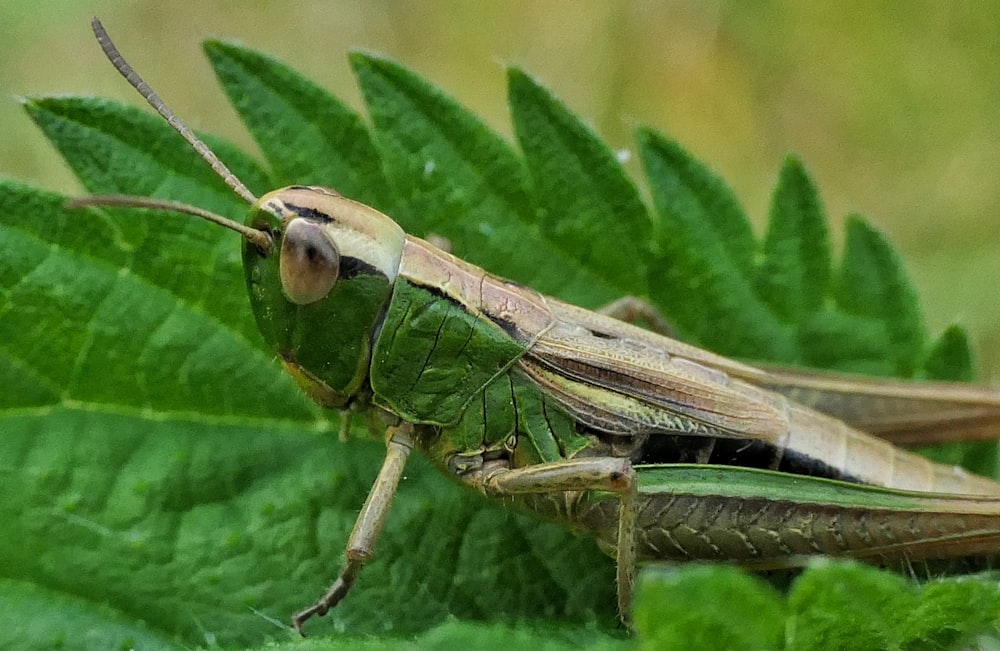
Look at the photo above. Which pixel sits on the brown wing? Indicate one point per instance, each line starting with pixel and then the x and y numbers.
pixel 621 378
pixel 904 412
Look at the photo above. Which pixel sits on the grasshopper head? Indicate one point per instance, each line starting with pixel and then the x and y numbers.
pixel 319 291
pixel 319 267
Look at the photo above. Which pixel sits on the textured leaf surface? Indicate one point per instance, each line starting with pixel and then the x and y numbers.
pixel 461 181
pixel 705 607
pixel 887 611
pixel 829 606
pixel 872 285
pixel 166 486
pixel 701 278
pixel 308 136
pixel 795 271
pixel 580 191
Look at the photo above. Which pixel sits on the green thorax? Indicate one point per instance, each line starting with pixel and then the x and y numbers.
pixel 432 355
pixel 446 356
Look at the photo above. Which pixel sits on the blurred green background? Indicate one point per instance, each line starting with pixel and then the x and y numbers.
pixel 892 106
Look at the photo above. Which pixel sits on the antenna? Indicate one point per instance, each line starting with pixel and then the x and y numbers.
pixel 254 236
pixel 133 78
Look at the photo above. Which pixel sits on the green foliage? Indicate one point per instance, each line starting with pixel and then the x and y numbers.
pixel 703 275
pixel 165 485
pixel 581 194
pixel 831 606
pixel 705 608
pixel 793 277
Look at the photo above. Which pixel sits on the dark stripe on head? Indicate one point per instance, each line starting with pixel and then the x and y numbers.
pixel 308 213
pixel 351 267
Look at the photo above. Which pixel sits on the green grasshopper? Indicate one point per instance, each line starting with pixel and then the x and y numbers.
pixel 658 449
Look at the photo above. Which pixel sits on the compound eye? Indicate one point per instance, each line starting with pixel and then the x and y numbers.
pixel 309 262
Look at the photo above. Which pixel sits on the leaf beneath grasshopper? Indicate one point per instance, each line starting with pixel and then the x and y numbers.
pixel 156 463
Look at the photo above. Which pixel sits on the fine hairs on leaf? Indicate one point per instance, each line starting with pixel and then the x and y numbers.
pixel 164 480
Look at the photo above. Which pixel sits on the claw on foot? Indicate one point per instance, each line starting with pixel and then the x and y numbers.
pixel 298 619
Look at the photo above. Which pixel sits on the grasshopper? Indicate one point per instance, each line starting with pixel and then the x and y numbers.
pixel 658 449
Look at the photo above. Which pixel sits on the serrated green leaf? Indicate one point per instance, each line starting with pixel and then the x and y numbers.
pixel 118 149
pixel 833 339
pixel 157 463
pixel 951 613
pixel 167 521
pixel 950 357
pixel 459 180
pixel 308 136
pixel 872 284
pixel 706 607
pixel 794 274
pixel 886 611
pixel 74 315
pixel 115 149
pixel 221 531
pixel 700 280
pixel 586 201
pixel 461 636
pixel 692 192
pixel 830 605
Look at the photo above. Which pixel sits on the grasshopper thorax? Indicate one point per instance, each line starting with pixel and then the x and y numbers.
pixel 319 292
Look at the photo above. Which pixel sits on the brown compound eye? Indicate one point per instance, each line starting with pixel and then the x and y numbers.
pixel 309 262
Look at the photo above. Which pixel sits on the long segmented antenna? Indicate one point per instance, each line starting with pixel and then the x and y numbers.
pixel 254 236
pixel 137 82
